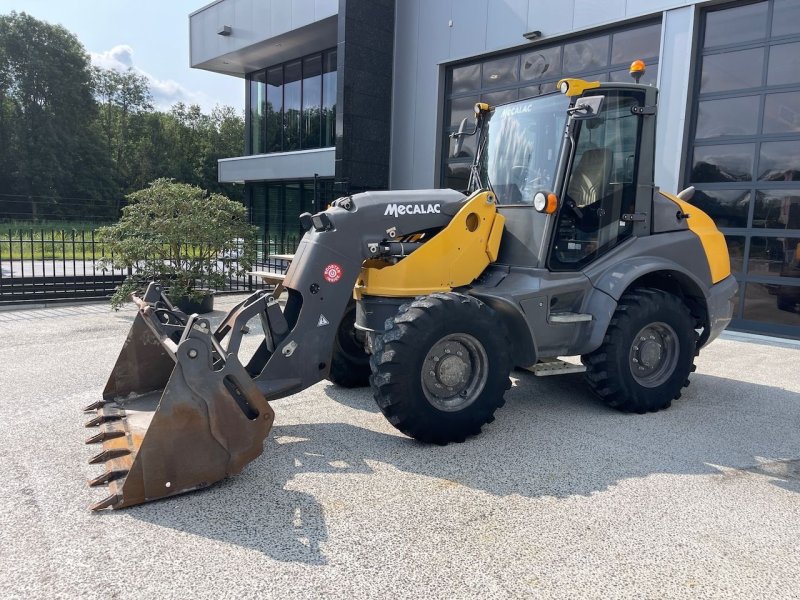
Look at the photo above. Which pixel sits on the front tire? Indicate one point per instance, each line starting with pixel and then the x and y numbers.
pixel 440 369
pixel 647 354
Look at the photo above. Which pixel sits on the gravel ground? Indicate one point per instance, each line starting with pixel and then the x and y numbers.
pixel 560 496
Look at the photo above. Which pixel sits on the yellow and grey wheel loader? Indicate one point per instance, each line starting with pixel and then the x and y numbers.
pixel 562 246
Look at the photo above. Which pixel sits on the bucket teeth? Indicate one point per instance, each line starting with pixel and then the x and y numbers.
pixel 107 477
pixel 95 405
pixel 106 502
pixel 107 455
pixel 106 434
pixel 106 414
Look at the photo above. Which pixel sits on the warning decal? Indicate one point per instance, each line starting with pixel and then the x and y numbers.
pixel 322 321
pixel 332 273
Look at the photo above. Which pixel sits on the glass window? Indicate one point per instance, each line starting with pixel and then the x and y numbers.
pixel 728 208
pixel 736 251
pixel 774 303
pixel 495 98
pixel 784 66
pixel 780 161
pixel 731 116
pixel 739 24
pixel 774 256
pixel 541 64
pixel 501 71
pixel 468 143
pixel 635 44
pixel 292 93
pixel 532 91
pixel 586 55
pixel 258 90
pixel 777 209
pixel 732 70
pixel 602 184
pixel 782 113
pixel 624 76
pixel 731 162
pixel 312 101
pixel 457 176
pixel 274 110
pixel 785 17
pixel 461 108
pixel 329 99
pixel 466 78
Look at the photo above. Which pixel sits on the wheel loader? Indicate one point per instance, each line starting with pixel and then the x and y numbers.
pixel 560 247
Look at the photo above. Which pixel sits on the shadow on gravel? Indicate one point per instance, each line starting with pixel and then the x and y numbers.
pixel 551 439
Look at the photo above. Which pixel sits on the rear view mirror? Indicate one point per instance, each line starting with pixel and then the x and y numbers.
pixel 587 107
pixel 458 136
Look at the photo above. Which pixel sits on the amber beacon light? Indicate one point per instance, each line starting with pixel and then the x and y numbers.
pixel 637 70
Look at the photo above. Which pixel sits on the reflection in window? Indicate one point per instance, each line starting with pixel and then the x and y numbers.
pixel 586 55
pixel 501 71
pixel 731 116
pixel 728 208
pixel 329 99
pixel 782 113
pixel 639 43
pixel 466 78
pixel 780 161
pixel 274 110
pixel 461 108
pixel 784 68
pixel 624 75
pixel 777 209
pixel 495 98
pixel 292 92
pixel 775 303
pixel 457 176
pixel 536 90
pixel 774 256
pixel 731 162
pixel 257 108
pixel 738 24
pixel 312 101
pixel 541 64
pixel 736 252
pixel 732 70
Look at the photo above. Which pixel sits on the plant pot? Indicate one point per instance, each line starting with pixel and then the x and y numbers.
pixel 191 306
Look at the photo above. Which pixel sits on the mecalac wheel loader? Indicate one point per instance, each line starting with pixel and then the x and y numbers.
pixel 562 246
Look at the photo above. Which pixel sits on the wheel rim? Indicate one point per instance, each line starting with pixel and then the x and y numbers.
pixel 454 372
pixel 654 354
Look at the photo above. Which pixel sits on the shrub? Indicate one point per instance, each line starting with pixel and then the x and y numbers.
pixel 176 233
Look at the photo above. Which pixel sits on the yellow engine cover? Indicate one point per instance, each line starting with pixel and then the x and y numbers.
pixel 454 257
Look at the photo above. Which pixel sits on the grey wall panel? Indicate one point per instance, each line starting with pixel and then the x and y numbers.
pixel 469 27
pixel 286 165
pixel 596 12
pixel 302 13
pixel 404 92
pixel 551 18
pixel 434 41
pixel 506 21
pixel 280 16
pixel 674 70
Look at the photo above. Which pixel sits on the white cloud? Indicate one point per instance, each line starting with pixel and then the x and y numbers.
pixel 166 92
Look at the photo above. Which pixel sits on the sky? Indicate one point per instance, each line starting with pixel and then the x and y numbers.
pixel 151 36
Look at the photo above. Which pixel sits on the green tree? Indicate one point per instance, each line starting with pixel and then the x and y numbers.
pixel 51 153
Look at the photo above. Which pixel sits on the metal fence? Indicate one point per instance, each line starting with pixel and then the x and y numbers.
pixel 38 265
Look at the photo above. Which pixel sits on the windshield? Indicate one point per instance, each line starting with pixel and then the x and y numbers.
pixel 523 140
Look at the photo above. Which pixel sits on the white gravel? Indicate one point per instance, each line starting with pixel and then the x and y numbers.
pixel 559 497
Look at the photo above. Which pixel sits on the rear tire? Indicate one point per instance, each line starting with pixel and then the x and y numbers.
pixel 647 354
pixel 440 369
pixel 349 361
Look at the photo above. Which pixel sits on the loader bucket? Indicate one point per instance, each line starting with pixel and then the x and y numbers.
pixel 178 413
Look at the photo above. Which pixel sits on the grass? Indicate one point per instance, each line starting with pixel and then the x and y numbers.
pixel 44 244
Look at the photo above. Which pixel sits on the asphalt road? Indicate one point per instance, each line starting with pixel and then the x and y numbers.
pixel 559 497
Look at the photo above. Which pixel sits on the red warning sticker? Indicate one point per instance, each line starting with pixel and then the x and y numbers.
pixel 332 273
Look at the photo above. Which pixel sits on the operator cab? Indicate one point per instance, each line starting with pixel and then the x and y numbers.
pixel 565 169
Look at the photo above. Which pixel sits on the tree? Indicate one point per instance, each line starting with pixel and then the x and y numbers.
pixel 51 141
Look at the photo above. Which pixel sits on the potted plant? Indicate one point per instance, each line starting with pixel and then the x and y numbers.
pixel 181 236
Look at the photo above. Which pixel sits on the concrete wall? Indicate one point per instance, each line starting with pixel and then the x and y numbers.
pixel 252 22
pixel 431 32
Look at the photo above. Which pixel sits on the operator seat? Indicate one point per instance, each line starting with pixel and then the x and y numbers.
pixel 590 178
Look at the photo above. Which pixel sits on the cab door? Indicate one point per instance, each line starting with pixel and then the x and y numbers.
pixel 599 195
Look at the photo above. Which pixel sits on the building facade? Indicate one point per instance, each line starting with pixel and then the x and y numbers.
pixel 349 95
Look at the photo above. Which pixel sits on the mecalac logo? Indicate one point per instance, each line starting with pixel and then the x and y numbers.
pixel 397 210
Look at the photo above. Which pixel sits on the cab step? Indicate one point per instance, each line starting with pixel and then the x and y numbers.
pixel 554 366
